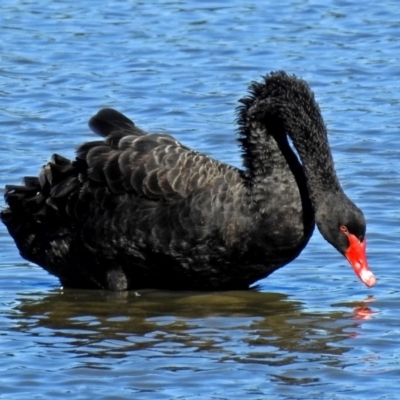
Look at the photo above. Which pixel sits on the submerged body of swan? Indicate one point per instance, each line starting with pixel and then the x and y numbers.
pixel 137 210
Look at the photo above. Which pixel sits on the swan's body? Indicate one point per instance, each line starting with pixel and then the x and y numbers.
pixel 137 210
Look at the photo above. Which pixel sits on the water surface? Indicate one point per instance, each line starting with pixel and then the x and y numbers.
pixel 311 330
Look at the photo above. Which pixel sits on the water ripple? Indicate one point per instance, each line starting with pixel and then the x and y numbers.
pixel 310 330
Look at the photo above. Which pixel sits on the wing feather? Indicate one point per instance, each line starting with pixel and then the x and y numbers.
pixel 155 167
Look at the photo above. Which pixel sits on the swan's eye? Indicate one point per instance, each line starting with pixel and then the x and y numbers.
pixel 344 229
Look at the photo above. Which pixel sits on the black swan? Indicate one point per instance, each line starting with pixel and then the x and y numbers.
pixel 137 210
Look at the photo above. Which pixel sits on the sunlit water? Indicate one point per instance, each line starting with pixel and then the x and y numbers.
pixel 311 330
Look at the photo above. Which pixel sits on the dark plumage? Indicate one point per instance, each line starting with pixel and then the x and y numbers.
pixel 135 210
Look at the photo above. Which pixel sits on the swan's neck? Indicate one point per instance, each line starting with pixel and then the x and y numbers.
pixel 271 165
pixel 309 137
pixel 269 159
pixel 280 107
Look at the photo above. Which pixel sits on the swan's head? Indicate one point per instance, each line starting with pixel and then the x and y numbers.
pixel 343 225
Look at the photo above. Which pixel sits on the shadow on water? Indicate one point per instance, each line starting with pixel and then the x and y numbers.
pixel 242 326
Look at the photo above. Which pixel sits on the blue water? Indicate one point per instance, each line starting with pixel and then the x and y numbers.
pixel 311 330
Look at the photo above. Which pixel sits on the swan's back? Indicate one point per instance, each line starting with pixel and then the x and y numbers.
pixel 129 198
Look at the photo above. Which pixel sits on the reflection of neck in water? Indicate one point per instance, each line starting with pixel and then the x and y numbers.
pixel 243 326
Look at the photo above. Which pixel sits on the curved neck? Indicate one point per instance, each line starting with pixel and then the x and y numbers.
pixel 274 177
pixel 268 157
pixel 280 107
pixel 309 137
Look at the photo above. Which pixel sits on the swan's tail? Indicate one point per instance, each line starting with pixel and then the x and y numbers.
pixel 38 208
pixel 43 212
